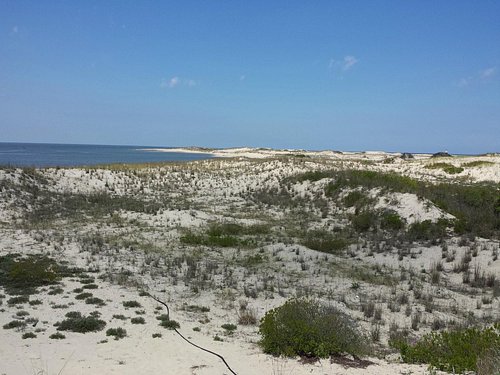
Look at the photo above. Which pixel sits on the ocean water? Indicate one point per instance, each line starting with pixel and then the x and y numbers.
pixel 64 155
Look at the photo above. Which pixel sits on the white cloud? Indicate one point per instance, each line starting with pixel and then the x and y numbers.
pixel 481 76
pixel 14 30
pixel 349 62
pixel 489 72
pixel 174 81
pixel 344 64
pixel 464 82
pixel 177 81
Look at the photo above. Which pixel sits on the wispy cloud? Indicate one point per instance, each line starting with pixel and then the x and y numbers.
pixel 174 81
pixel 177 81
pixel 344 64
pixel 489 72
pixel 349 62
pixel 481 76
pixel 14 30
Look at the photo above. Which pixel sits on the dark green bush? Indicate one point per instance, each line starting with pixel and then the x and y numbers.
pixel 229 327
pixel 167 323
pixel 84 295
pixel 477 206
pixel 82 324
pixel 391 221
pixel 325 241
pixel 224 235
pixel 90 286
pixel 131 304
pixel 18 300
pixel 87 280
pixel 356 199
pixel 309 328
pixel 55 291
pixel 15 324
pixel 57 336
pixel 117 333
pixel 29 335
pixel 23 275
pixel 95 301
pixel 138 320
pixel 454 351
pixel 446 167
pixel 73 314
pixel 427 230
pixel 223 240
pixel 364 221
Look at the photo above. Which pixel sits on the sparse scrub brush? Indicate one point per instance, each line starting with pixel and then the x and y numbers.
pixel 309 328
pixel 469 349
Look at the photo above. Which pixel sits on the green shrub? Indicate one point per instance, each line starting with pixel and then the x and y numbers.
pixel 90 286
pixel 454 351
pixel 224 235
pixel 477 206
pixel 427 230
pixel 309 328
pixel 156 335
pixel 73 314
pixel 57 336
pixel 364 220
pixel 18 300
pixel 167 323
pixel 14 324
pixel 117 333
pixel 138 320
pixel 24 275
pixel 84 295
pixel 54 291
pixel 391 221
pixel 29 335
pixel 356 199
pixel 229 327
pixel 446 167
pixel 120 317
pixel 325 241
pixel 82 324
pixel 95 301
pixel 477 163
pixel 131 304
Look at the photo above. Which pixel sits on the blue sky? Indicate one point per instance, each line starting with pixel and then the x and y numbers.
pixel 418 76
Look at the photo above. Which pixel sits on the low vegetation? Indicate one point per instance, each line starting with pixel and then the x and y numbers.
pixel 311 329
pixel 20 275
pixel 453 351
pixel 81 324
pixel 117 333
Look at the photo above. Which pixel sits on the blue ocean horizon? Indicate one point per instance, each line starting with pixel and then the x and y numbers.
pixel 43 155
